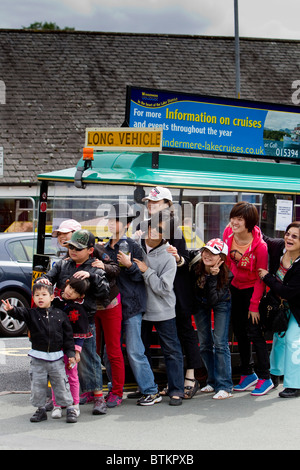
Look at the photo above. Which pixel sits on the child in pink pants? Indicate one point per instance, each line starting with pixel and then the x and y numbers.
pixel 71 301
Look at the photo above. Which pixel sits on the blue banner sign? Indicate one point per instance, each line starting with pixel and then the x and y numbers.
pixel 205 124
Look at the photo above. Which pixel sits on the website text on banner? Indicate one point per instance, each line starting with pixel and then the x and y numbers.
pixel 217 125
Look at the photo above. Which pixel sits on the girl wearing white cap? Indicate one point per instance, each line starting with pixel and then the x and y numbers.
pixel 211 279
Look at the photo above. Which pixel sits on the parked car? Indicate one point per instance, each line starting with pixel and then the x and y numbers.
pixel 16 256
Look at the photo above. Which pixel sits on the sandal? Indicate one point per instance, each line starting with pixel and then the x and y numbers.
pixel 164 392
pixel 207 389
pixel 222 395
pixel 189 391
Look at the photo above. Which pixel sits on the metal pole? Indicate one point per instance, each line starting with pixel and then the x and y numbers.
pixel 237 49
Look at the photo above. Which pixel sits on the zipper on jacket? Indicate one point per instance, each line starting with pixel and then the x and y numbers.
pixel 47 316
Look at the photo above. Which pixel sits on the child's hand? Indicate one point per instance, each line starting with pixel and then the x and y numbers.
pixel 77 356
pixel 6 305
pixel 81 274
pixel 214 270
pixel 72 362
pixel 141 265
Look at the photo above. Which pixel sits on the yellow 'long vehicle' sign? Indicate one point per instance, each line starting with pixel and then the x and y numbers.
pixel 126 138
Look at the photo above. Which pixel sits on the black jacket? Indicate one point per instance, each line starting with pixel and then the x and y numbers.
pixel 289 289
pixel 209 294
pixel 130 280
pixel 111 268
pixel 50 329
pixel 99 288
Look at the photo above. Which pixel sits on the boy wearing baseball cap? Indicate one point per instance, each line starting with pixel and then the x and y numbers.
pixel 79 264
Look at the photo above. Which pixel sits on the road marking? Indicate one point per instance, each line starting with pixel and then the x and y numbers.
pixel 4 351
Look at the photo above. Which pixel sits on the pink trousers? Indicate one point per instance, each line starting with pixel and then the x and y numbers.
pixel 109 321
pixel 72 375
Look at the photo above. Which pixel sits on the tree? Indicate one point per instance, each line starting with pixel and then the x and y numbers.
pixel 39 26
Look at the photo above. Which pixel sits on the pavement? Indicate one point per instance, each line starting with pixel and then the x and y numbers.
pixel 242 422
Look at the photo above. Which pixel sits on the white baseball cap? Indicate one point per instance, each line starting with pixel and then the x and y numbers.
pixel 69 225
pixel 158 194
pixel 216 246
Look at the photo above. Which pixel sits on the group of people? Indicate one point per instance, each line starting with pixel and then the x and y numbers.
pixel 128 285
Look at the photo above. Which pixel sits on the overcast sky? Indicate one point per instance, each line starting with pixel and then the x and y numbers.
pixel 257 18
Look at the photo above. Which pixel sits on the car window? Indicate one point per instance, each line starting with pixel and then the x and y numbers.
pixel 29 248
pixel 21 251
pixel 51 246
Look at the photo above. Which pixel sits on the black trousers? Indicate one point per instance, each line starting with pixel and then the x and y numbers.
pixel 246 333
pixel 188 338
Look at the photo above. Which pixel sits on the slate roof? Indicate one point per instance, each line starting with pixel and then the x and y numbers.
pixel 58 83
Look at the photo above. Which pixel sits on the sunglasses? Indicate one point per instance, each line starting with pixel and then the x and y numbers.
pixel 71 247
pixel 292 235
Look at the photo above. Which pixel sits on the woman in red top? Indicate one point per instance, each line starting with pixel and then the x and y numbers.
pixel 248 253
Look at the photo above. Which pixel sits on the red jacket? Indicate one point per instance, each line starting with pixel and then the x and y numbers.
pixel 245 273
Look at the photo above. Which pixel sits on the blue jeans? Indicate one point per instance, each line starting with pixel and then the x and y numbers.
pixel 171 348
pixel 89 366
pixel 214 347
pixel 138 361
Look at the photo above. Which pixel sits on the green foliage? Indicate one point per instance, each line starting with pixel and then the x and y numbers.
pixel 39 26
pixel 274 135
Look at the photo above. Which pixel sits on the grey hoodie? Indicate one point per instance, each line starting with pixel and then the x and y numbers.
pixel 159 280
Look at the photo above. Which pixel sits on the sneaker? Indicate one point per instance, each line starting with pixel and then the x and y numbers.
pixel 136 394
pixel 262 387
pixel 49 405
pixel 149 399
pixel 56 413
pixel 100 407
pixel 39 415
pixel 246 382
pixel 290 393
pixel 77 410
pixel 275 379
pixel 86 397
pixel 113 400
pixel 71 415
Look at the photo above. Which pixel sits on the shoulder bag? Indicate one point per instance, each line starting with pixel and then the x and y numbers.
pixel 274 313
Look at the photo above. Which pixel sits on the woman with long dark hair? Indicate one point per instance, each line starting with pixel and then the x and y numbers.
pixel 283 278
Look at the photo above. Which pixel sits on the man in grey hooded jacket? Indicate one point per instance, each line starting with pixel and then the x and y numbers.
pixel 159 270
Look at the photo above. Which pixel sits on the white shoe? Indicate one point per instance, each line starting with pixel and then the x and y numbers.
pixel 56 412
pixel 207 389
pixel 222 395
pixel 77 410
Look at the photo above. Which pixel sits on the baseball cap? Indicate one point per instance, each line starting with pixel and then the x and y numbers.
pixel 69 225
pixel 216 246
pixel 81 239
pixel 158 193
pixel 120 211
